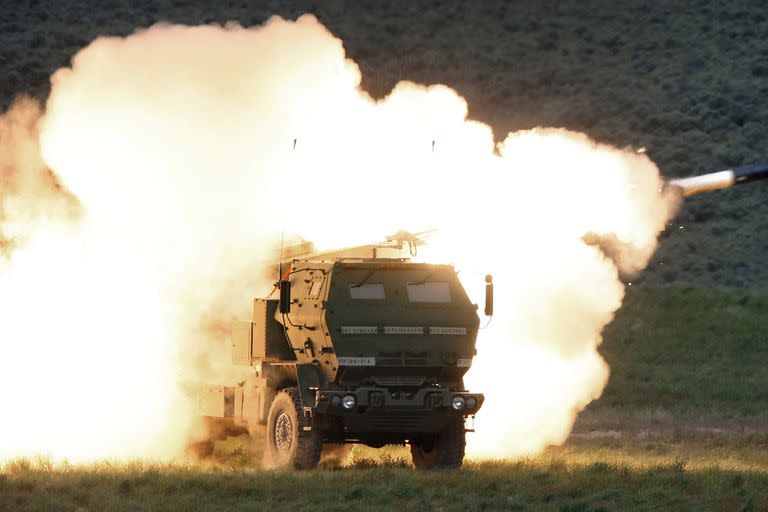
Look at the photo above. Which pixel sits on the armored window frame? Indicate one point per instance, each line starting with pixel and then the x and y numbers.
pixel 429 291
pixel 367 291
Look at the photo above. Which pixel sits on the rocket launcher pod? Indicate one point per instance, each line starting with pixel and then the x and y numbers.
pixel 719 180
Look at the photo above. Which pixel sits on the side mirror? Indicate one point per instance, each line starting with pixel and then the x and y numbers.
pixel 285 296
pixel 489 295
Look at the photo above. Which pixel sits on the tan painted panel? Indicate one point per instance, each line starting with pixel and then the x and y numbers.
pixel 259 343
pixel 241 342
pixel 254 399
pixel 211 401
pixel 238 412
pixel 268 337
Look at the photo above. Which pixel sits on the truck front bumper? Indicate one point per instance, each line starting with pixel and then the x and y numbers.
pixel 391 416
pixel 364 399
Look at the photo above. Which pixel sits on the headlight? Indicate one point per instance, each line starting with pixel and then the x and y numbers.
pixel 458 403
pixel 349 401
pixel 471 402
pixel 335 400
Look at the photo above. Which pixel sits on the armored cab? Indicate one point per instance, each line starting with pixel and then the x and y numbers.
pixel 357 350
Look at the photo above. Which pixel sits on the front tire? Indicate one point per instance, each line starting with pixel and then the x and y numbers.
pixel 446 450
pixel 288 444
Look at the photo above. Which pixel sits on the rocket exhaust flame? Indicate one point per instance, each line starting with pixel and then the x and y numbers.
pixel 185 172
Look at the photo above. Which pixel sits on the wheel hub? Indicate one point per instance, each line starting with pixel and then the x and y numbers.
pixel 283 432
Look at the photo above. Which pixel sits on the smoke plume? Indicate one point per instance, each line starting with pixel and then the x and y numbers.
pixel 190 149
pixel 28 189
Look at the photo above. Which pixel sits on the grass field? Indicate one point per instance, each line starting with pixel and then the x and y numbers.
pixel 681 426
pixel 545 483
pixel 688 352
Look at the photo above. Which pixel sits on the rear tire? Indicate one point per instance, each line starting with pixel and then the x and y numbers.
pixel 447 450
pixel 288 444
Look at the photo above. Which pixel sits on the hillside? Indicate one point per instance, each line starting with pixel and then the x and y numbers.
pixel 686 80
pixel 680 354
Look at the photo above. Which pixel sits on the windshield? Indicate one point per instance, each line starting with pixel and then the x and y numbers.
pixel 367 291
pixel 429 291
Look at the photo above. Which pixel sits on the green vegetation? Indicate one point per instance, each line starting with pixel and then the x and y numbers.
pixel 688 352
pixel 585 475
pixel 542 484
pixel 686 80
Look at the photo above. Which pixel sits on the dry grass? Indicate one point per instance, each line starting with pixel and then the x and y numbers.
pixel 586 478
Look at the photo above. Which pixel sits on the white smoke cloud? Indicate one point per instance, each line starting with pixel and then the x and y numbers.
pixel 191 149
pixel 28 190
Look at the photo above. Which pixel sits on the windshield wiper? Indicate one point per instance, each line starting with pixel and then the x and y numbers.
pixel 423 281
pixel 370 274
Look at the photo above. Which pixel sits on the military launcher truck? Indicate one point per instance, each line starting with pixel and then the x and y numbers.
pixel 362 345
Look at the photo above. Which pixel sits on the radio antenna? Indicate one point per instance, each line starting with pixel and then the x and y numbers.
pixel 282 237
pixel 280 263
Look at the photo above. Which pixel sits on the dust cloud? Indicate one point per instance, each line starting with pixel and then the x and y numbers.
pixel 180 154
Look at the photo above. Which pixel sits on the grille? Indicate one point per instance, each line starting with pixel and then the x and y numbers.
pixel 399 380
pixel 397 422
pixel 389 359
pixel 401 359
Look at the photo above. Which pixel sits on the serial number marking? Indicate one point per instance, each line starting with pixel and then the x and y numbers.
pixel 447 330
pixel 359 329
pixel 372 329
pixel 357 361
pixel 403 330
pixel 463 363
